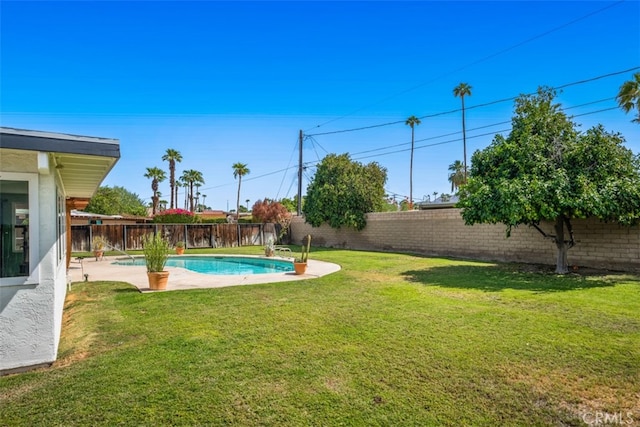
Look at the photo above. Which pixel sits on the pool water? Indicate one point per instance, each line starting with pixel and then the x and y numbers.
pixel 222 264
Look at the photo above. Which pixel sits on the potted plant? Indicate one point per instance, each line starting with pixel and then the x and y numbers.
pixel 269 248
pixel 98 244
pixel 156 251
pixel 180 247
pixel 300 264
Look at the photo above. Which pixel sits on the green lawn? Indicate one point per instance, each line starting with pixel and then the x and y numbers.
pixel 390 340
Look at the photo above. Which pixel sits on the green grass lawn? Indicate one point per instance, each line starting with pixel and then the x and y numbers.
pixel 390 340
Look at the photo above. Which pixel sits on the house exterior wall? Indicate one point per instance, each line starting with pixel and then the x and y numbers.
pixel 442 232
pixel 31 314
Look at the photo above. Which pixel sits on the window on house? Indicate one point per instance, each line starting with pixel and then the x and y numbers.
pixel 17 229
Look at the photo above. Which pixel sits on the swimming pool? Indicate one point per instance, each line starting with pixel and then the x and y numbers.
pixel 222 265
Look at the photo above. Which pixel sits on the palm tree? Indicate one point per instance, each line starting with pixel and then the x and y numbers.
pixel 190 178
pixel 629 96
pixel 456 177
pixel 411 121
pixel 461 90
pixel 172 156
pixel 156 175
pixel 239 170
pixel 178 184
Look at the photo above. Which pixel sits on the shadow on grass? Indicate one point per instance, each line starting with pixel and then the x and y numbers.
pixel 498 277
pixel 128 290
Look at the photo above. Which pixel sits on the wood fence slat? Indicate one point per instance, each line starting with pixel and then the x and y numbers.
pixel 126 237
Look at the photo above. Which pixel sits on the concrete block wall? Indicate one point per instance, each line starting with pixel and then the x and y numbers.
pixel 442 232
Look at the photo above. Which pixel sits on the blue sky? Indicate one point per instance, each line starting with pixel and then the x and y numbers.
pixel 227 82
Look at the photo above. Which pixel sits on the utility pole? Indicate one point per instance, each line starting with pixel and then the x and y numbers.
pixel 300 176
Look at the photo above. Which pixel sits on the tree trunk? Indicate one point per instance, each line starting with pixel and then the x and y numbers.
pixel 238 200
pixel 464 141
pixel 191 196
pixel 411 173
pixel 154 204
pixel 561 262
pixel 172 183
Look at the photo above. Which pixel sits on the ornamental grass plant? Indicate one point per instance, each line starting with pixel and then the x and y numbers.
pixel 156 251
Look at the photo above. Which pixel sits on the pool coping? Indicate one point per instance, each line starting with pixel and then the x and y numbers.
pixel 180 278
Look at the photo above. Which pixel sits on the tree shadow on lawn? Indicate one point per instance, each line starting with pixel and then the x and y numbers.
pixel 498 277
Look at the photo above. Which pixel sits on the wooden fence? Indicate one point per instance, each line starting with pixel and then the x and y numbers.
pixel 126 237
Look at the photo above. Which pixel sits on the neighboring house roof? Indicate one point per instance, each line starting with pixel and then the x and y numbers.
pixel 82 162
pixel 81 214
pixel 448 202
pixel 211 214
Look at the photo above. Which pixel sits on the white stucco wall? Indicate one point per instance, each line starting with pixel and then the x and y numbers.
pixel 31 315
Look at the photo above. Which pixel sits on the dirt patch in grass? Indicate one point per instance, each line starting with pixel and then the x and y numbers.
pixel 577 395
pixel 77 339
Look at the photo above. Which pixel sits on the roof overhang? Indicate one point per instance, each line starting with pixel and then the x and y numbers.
pixel 82 162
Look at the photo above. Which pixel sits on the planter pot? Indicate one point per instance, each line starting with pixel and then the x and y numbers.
pixel 269 252
pixel 300 267
pixel 99 255
pixel 179 251
pixel 158 280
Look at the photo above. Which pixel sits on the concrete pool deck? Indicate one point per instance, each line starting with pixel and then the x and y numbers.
pixel 181 279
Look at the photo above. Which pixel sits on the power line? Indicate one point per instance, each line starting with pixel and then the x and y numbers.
pixel 295 145
pixel 486 58
pixel 310 164
pixel 615 73
pixel 483 127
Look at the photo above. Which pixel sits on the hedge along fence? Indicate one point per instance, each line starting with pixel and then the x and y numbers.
pixel 442 232
pixel 126 237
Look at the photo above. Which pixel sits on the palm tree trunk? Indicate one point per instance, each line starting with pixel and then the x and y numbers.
pixel 464 141
pixel 238 203
pixel 191 196
pixel 411 173
pixel 172 183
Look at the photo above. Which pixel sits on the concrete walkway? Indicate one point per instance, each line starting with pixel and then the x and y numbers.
pixel 180 278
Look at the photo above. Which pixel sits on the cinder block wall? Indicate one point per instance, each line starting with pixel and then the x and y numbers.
pixel 442 232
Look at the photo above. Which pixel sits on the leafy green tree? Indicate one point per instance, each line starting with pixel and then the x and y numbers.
pixel 342 191
pixel 456 175
pixel 172 156
pixel 545 170
pixel 461 90
pixel 239 170
pixel 291 204
pixel 629 96
pixel 388 205
pixel 116 201
pixel 412 121
pixel 189 179
pixel 156 175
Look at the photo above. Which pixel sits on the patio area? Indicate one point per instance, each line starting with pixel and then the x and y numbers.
pixel 180 278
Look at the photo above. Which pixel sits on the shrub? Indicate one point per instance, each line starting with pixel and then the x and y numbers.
pixel 269 211
pixel 175 216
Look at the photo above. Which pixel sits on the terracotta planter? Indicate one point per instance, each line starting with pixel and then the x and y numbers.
pixel 269 252
pixel 179 251
pixel 99 254
pixel 158 280
pixel 300 267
